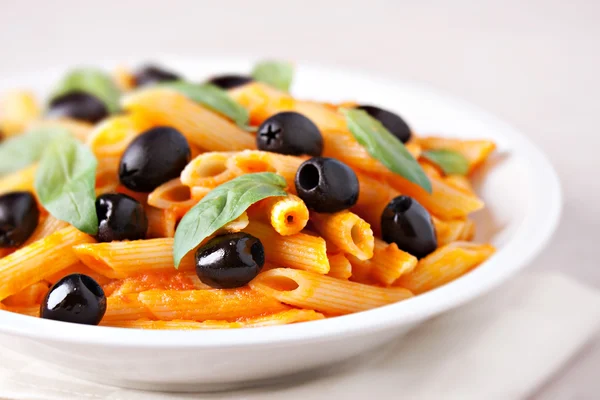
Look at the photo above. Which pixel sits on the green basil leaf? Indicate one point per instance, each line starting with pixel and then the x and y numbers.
pixel 221 206
pixel 64 183
pixel 23 150
pixel 213 97
pixel 385 147
pixel 450 161
pixel 92 81
pixel 278 74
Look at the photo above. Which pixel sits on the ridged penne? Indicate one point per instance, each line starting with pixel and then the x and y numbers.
pixel 173 280
pixel 174 196
pixel 280 318
pixel 223 304
pixel 287 215
pixel 444 265
pixel 306 289
pixel 202 127
pixel 475 151
pixel 347 231
pixel 112 136
pixel 78 268
pixel 161 223
pixel 299 251
pixel 22 268
pixel 32 295
pixel 339 266
pixel 251 161
pixel 385 267
pixel 46 227
pixel 208 170
pixel 124 308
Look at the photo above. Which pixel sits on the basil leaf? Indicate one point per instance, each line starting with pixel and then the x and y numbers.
pixel 450 161
pixel 385 147
pixel 23 150
pixel 91 81
pixel 212 97
pixel 278 74
pixel 221 206
pixel 64 183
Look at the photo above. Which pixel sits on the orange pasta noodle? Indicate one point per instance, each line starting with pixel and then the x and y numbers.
pixel 299 251
pixel 174 196
pixel 106 182
pixel 454 229
pixel 208 170
pixel 124 78
pixel 386 266
pixel 124 308
pixel 111 137
pixel 460 182
pixel 475 151
pixel 32 295
pixel 444 265
pixel 222 304
pixel 287 215
pixel 122 259
pixel 78 268
pixel 23 267
pixel 6 251
pixel 32 311
pixel 46 227
pixel 199 125
pixel 17 109
pixel 446 201
pixel 173 280
pixel 347 231
pixel 280 318
pixel 18 180
pixel 161 223
pixel 199 192
pixel 339 266
pixel 250 161
pixel 309 290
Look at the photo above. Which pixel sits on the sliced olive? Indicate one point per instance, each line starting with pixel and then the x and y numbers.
pixel 78 105
pixel 230 81
pixel 326 185
pixel 151 74
pixel 393 122
pixel 153 158
pixel 290 133
pixel 408 224
pixel 75 298
pixel 230 261
pixel 120 217
pixel 18 218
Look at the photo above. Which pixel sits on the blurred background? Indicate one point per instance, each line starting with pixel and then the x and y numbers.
pixel 532 63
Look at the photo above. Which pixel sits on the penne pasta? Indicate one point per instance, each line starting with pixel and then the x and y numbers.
pixel 32 295
pixel 112 136
pixel 251 161
pixel 347 231
pixel 125 308
pixel 161 223
pixel 208 170
pixel 22 268
pixel 299 251
pixel 306 289
pixel 460 182
pixel 173 196
pixel 17 109
pixel 21 180
pixel 199 125
pixel 287 215
pixel 224 304
pixel 452 230
pixel 46 227
pixel 78 268
pixel 172 280
pixel 385 267
pixel 475 151
pixel 32 311
pixel 444 265
pixel 339 266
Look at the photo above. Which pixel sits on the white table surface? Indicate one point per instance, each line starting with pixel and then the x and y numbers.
pixel 534 63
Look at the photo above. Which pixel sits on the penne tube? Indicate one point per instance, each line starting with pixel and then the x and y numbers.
pixel 452 230
pixel 306 289
pixel 444 265
pixel 32 295
pixel 287 215
pixel 475 151
pixel 199 192
pixel 124 308
pixel 46 227
pixel 118 260
pixel 173 280
pixel 161 223
pixel 339 266
pixel 111 137
pixel 78 268
pixel 347 231
pixel 17 109
pixel 280 318
pixel 446 201
pixel 24 267
pixel 21 180
pixel 460 182
pixel 208 170
pixel 222 304
pixel 301 251
pixel 387 265
pixel 32 311
pixel 201 127
pixel 251 161
pixel 174 196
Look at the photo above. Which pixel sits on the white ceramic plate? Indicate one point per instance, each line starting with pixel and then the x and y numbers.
pixel 523 200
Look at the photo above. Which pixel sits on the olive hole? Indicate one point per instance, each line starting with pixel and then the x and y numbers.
pixel 309 177
pixel 281 283
pixel 92 286
pixel 258 253
pixel 402 203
